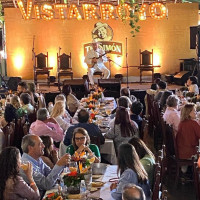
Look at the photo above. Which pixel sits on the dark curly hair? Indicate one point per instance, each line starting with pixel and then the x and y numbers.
pixel 10 113
pixel 66 90
pixel 9 167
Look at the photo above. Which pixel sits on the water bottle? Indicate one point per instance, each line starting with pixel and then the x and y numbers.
pixel 82 187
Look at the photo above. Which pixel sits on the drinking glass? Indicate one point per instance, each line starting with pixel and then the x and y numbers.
pixel 108 111
pixel 97 104
pixel 73 167
pixel 24 165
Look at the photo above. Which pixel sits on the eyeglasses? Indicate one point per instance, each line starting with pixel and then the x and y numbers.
pixel 80 139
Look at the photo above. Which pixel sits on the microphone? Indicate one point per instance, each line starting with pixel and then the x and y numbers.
pixel 60 48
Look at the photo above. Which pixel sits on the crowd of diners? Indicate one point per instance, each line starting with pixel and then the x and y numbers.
pixel 68 122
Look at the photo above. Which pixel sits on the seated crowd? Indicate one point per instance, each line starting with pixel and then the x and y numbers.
pixel 69 124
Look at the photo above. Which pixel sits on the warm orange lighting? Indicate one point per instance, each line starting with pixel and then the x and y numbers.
pixel 107 11
pixel 127 11
pixel 37 12
pixel 47 11
pixel 26 14
pixel 156 58
pixel 142 12
pixel 155 14
pixel 89 11
pixel 52 61
pixel 18 60
pixel 119 60
pixel 61 8
pixel 74 12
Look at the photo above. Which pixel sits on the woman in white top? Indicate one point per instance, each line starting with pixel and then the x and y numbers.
pixel 192 84
pixel 72 102
pixel 172 115
pixel 58 113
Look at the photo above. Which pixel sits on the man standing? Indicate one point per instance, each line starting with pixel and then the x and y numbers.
pixel 44 177
pixel 95 59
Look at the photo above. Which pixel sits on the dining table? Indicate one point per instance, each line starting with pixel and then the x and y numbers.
pixel 103 192
pixel 107 150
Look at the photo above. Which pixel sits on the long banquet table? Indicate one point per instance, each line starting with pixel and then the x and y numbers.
pixel 104 191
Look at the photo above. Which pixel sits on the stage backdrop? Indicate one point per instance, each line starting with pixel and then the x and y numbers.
pixel 169 38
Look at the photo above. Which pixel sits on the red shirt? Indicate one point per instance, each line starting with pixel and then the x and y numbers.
pixel 187 138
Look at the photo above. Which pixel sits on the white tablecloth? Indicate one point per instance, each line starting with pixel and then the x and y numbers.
pixel 107 151
pixel 104 192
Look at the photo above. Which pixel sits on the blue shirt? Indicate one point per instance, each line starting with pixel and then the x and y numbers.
pixel 91 128
pixel 138 120
pixel 129 176
pixel 44 177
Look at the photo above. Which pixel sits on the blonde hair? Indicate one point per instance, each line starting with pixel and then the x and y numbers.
pixel 15 101
pixel 58 109
pixel 186 110
pixel 60 97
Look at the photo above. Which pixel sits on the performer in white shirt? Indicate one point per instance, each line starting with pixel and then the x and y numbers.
pixel 95 59
pixel 192 84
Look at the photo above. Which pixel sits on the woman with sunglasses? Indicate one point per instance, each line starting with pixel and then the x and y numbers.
pixel 81 143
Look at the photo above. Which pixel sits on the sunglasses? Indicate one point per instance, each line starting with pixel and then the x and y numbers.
pixel 80 138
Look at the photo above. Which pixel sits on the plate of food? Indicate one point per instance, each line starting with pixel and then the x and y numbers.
pixel 96 176
pixel 102 104
pixel 74 196
pixel 97 184
pixel 93 189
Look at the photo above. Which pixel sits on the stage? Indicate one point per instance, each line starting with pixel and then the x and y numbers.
pixel 44 88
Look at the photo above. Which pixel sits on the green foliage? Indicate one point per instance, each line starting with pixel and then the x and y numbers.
pixel 73 179
pixel 1 15
pixel 134 16
pixel 0 9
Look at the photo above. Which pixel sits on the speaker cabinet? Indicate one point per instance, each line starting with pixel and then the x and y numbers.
pixel 182 77
pixel 79 87
pixel 112 87
pixel 193 33
pixel 13 83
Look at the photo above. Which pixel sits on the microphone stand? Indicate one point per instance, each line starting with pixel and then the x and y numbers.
pixel 58 68
pixel 126 64
pixel 110 60
pixel 34 60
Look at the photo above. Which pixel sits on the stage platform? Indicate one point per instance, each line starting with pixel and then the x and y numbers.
pixel 132 86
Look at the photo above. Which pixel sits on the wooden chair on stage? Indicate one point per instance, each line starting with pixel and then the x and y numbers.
pixel 146 63
pixel 41 67
pixel 64 63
